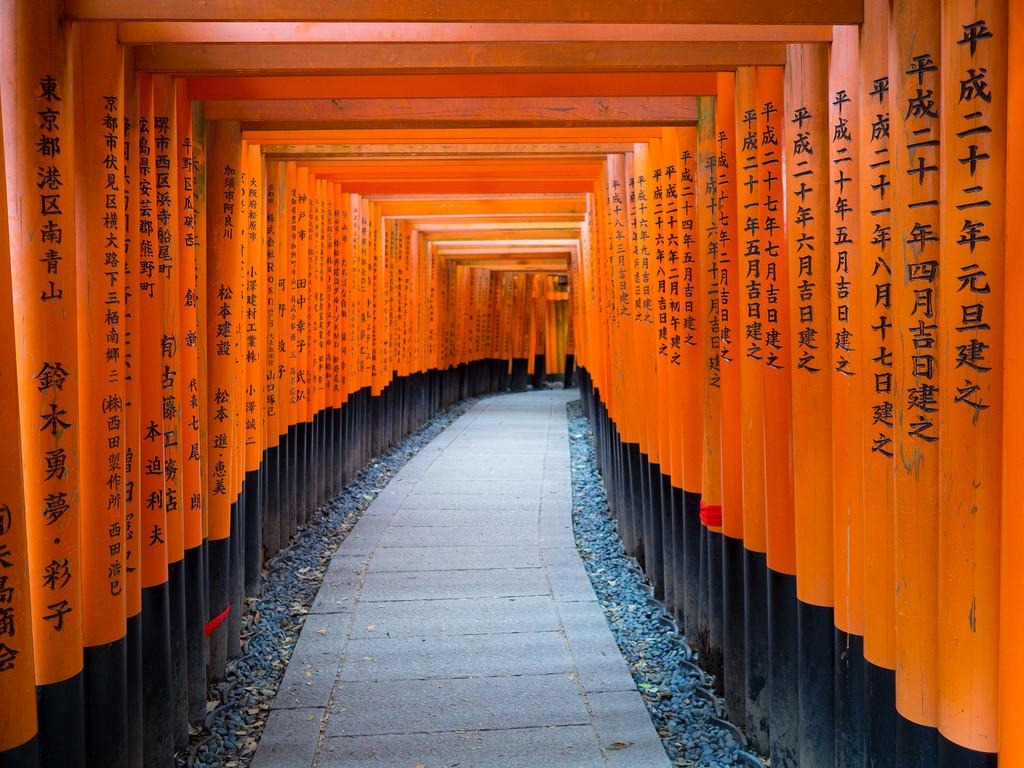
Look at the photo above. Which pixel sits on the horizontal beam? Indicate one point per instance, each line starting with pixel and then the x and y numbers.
pixel 382 58
pixel 468 186
pixel 449 11
pixel 451 86
pixel 427 136
pixel 521 111
pixel 546 207
pixel 134 32
pixel 453 170
pixel 468 152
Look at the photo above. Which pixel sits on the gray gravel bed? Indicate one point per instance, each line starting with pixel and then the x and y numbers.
pixel 685 711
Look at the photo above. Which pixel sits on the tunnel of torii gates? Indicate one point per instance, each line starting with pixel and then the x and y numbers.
pixel 251 249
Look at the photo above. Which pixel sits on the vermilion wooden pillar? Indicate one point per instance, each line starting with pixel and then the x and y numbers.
pixel 1011 627
pixel 18 722
pixel 971 253
pixel 729 286
pixel 847 382
pixel 877 346
pixel 750 349
pixel 100 258
pixel 223 311
pixel 914 85
pixel 41 169
pixel 807 204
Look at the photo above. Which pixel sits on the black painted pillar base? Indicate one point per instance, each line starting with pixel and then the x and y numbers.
pixel 219 601
pixel 714 654
pixel 133 643
pixel 783 670
pixel 850 715
pixel 539 372
pixel 816 663
pixel 157 702
pixel 195 624
pixel 106 705
pixel 733 634
pixel 179 651
pixel 691 567
pixel 882 718
pixel 668 582
pixel 22 756
pixel 652 524
pixel 253 555
pixel 570 371
pixel 756 648
pixel 680 588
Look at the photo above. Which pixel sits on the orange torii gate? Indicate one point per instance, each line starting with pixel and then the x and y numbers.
pixel 246 255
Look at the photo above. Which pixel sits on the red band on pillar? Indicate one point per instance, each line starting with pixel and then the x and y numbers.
pixel 711 515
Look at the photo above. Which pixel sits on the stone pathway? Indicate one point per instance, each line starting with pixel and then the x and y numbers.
pixel 456 625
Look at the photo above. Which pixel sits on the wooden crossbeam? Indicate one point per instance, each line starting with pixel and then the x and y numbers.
pixel 382 58
pixel 468 186
pixel 464 208
pixel 454 11
pixel 452 86
pixel 451 170
pixel 425 137
pixel 134 32
pixel 519 111
pixel 384 152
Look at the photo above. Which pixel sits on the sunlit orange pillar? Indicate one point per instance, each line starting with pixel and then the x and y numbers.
pixel 272 506
pixel 973 178
pixel 733 587
pixel 778 411
pixel 288 421
pixel 190 437
pixel 750 348
pixel 254 333
pixel 223 311
pixel 18 722
pixel 1011 618
pixel 131 426
pixel 847 382
pixel 687 385
pixel 914 85
pixel 806 117
pixel 664 208
pixel 166 174
pixel 40 165
pixel 877 346
pixel 706 299
pixel 100 260
pixel 148 267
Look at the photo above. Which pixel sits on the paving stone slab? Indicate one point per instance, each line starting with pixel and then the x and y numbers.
pixel 314 662
pixel 570 582
pixel 480 500
pixel 420 706
pixel 439 585
pixel 624 731
pixel 289 739
pixel 455 518
pixel 420 658
pixel 432 556
pixel 557 747
pixel 466 535
pixel 473 616
pixel 524 488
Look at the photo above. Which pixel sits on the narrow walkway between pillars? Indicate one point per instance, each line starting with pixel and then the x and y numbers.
pixel 456 624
